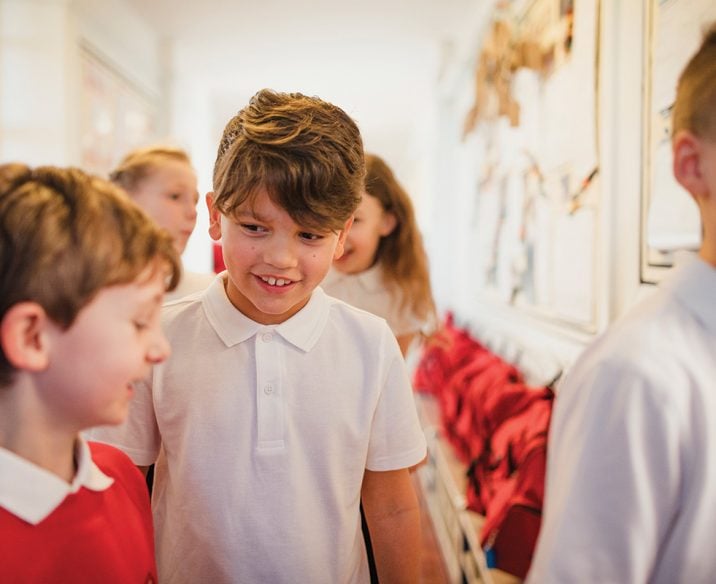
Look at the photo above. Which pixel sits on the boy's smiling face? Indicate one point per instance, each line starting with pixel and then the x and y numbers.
pixel 114 341
pixel 273 264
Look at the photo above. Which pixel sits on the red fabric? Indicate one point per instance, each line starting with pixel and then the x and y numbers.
pixel 513 544
pixel 499 425
pixel 91 537
pixel 219 265
pixel 483 379
pixel 506 477
pixel 444 353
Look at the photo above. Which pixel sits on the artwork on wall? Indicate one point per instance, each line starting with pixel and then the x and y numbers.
pixel 670 219
pixel 115 115
pixel 538 199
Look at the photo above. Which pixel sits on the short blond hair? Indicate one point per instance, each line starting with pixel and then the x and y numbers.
pixel 695 105
pixel 305 152
pixel 65 236
pixel 138 164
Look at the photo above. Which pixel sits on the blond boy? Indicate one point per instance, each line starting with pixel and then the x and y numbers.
pixel 631 470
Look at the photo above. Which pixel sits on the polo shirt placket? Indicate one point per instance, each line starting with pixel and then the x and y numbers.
pixel 269 395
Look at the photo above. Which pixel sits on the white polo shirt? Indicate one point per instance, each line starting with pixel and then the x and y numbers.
pixel 631 466
pixel 367 290
pixel 266 432
pixel 189 283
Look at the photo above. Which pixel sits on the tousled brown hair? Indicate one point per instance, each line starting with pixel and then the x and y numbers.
pixel 65 236
pixel 306 153
pixel 695 105
pixel 401 255
pixel 138 164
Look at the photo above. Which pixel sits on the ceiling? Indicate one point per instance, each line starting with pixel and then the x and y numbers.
pixel 378 59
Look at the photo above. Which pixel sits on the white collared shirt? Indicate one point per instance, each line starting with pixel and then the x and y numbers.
pixel 265 433
pixel 189 283
pixel 33 493
pixel 631 463
pixel 367 291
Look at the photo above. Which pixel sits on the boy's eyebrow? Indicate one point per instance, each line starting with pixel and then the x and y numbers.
pixel 251 213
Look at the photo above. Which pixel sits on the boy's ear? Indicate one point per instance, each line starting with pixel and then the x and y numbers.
pixel 23 334
pixel 214 217
pixel 686 148
pixel 342 234
pixel 388 223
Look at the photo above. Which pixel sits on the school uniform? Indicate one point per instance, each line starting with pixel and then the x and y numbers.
pixel 189 283
pixel 96 529
pixel 631 469
pixel 265 434
pixel 366 290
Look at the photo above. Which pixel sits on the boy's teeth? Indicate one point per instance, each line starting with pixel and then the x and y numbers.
pixel 276 281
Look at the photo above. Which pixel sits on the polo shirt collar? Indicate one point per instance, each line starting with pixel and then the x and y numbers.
pixel 694 284
pixel 370 280
pixel 33 493
pixel 302 330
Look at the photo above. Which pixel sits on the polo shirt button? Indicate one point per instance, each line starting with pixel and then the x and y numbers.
pixel 268 389
pixel 266 337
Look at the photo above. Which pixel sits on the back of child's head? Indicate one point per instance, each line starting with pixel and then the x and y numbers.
pixel 400 254
pixel 306 153
pixel 65 236
pixel 138 164
pixel 695 106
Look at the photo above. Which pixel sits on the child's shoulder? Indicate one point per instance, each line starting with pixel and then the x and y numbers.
pixel 191 284
pixel 187 306
pixel 356 322
pixel 110 460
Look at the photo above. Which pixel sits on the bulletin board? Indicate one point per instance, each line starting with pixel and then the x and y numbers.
pixel 534 122
pixel 670 220
pixel 115 114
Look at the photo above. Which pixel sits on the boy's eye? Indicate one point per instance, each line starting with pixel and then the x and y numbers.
pixel 174 196
pixel 310 236
pixel 252 228
pixel 140 325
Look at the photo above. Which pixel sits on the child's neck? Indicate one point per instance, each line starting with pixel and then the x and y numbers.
pixel 51 450
pixel 708 248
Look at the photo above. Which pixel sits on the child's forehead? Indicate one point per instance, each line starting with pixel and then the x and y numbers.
pixel 150 287
pixel 260 206
pixel 256 201
pixel 266 209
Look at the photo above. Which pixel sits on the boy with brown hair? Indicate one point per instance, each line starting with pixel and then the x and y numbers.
pixel 82 276
pixel 281 408
pixel 631 467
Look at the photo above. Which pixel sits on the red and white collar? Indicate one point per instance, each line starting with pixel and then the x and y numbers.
pixel 33 493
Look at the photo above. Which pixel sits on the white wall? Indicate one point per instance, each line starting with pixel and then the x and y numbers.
pixel 40 47
pixel 40 41
pixel 36 121
pixel 453 239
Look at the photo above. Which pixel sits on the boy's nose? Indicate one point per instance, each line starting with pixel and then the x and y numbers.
pixel 280 254
pixel 159 348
